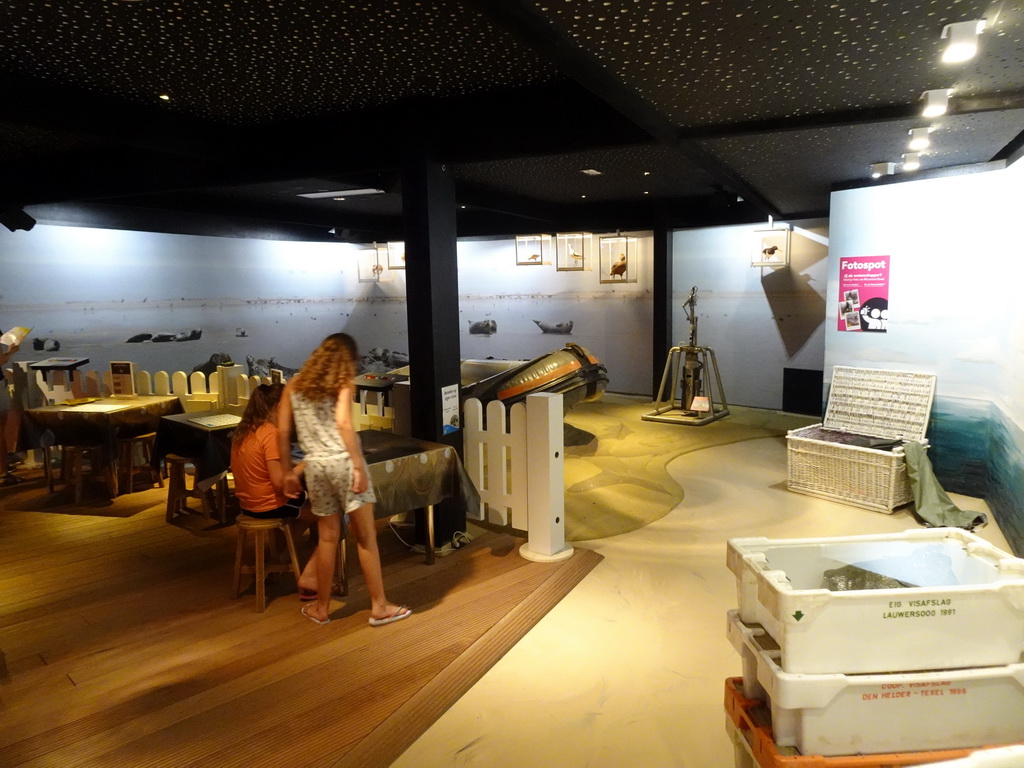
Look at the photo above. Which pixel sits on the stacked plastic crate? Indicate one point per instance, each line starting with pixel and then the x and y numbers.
pixel 888 649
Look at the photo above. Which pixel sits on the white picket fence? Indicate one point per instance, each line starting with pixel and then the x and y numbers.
pixel 229 388
pixel 517 463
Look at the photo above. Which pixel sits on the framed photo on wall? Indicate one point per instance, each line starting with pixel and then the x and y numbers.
pixel 619 258
pixel 533 249
pixel 571 251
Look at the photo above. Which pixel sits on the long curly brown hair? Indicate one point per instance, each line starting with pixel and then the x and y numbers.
pixel 260 409
pixel 331 366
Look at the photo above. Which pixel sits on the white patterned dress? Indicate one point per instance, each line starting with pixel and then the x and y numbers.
pixel 328 465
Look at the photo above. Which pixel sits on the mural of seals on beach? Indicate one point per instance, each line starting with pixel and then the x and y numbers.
pixel 259 366
pixel 210 366
pixel 379 360
pixel 483 327
pixel 192 335
pixel 46 345
pixel 562 328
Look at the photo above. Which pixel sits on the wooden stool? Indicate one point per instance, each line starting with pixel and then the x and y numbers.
pixel 179 492
pixel 74 469
pixel 127 467
pixel 260 530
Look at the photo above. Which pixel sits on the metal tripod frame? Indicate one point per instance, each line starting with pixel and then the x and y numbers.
pixel 673 409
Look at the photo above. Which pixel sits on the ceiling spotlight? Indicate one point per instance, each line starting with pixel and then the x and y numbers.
pixel 936 102
pixel 591 171
pixel 911 161
pixel 882 169
pixel 963 40
pixel 919 138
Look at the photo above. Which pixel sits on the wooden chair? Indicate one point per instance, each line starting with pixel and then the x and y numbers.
pixel 262 532
pixel 128 448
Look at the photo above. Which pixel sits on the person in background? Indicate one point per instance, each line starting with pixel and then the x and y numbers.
pixel 318 403
pixel 259 474
pixel 6 478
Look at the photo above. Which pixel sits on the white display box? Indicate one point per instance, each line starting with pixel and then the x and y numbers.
pixel 999 757
pixel 863 714
pixel 867 406
pixel 965 608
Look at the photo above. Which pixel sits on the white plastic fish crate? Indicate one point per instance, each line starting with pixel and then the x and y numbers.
pixel 870 403
pixel 894 712
pixel 997 757
pixel 963 605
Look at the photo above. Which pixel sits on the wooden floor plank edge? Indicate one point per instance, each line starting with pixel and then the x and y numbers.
pixel 397 733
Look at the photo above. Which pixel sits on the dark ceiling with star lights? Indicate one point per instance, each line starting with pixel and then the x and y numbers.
pixel 215 116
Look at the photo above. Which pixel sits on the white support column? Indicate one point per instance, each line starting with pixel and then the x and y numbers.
pixel 546 480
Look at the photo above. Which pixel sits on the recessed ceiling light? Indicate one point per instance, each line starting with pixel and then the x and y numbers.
pixel 341 194
pixel 165 97
pixel 591 172
pixel 647 173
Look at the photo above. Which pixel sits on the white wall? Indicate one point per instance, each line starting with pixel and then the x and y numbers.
pixel 758 320
pixel 955 281
pixel 611 320
pixel 92 289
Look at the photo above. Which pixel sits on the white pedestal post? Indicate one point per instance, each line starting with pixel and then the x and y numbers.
pixel 546 480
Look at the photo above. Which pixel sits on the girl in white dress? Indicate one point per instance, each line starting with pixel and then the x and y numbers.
pixel 318 401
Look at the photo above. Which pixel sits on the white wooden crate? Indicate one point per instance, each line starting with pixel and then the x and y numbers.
pixel 834 459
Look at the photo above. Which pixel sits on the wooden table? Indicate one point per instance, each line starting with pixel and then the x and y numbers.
pixel 209 448
pixel 101 422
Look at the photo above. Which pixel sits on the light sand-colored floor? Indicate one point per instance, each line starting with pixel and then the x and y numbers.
pixel 629 669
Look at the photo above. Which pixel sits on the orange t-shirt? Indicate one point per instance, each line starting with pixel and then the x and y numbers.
pixel 249 459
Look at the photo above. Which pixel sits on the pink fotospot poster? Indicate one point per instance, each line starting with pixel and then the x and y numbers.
pixel 864 293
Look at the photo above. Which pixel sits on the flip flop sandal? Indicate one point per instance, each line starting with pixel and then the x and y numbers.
pixel 318 622
pixel 403 612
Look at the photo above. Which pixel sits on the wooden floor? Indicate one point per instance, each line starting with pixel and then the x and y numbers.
pixel 122 645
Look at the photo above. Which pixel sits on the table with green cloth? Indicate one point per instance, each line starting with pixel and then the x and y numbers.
pixel 410 474
pixel 100 422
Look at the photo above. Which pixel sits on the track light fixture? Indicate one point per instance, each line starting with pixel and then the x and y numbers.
pixel 936 102
pixel 16 218
pixel 882 169
pixel 919 139
pixel 963 40
pixel 911 161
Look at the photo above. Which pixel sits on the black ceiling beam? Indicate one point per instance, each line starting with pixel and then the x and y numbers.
pixel 966 105
pixel 529 26
pixel 485 198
